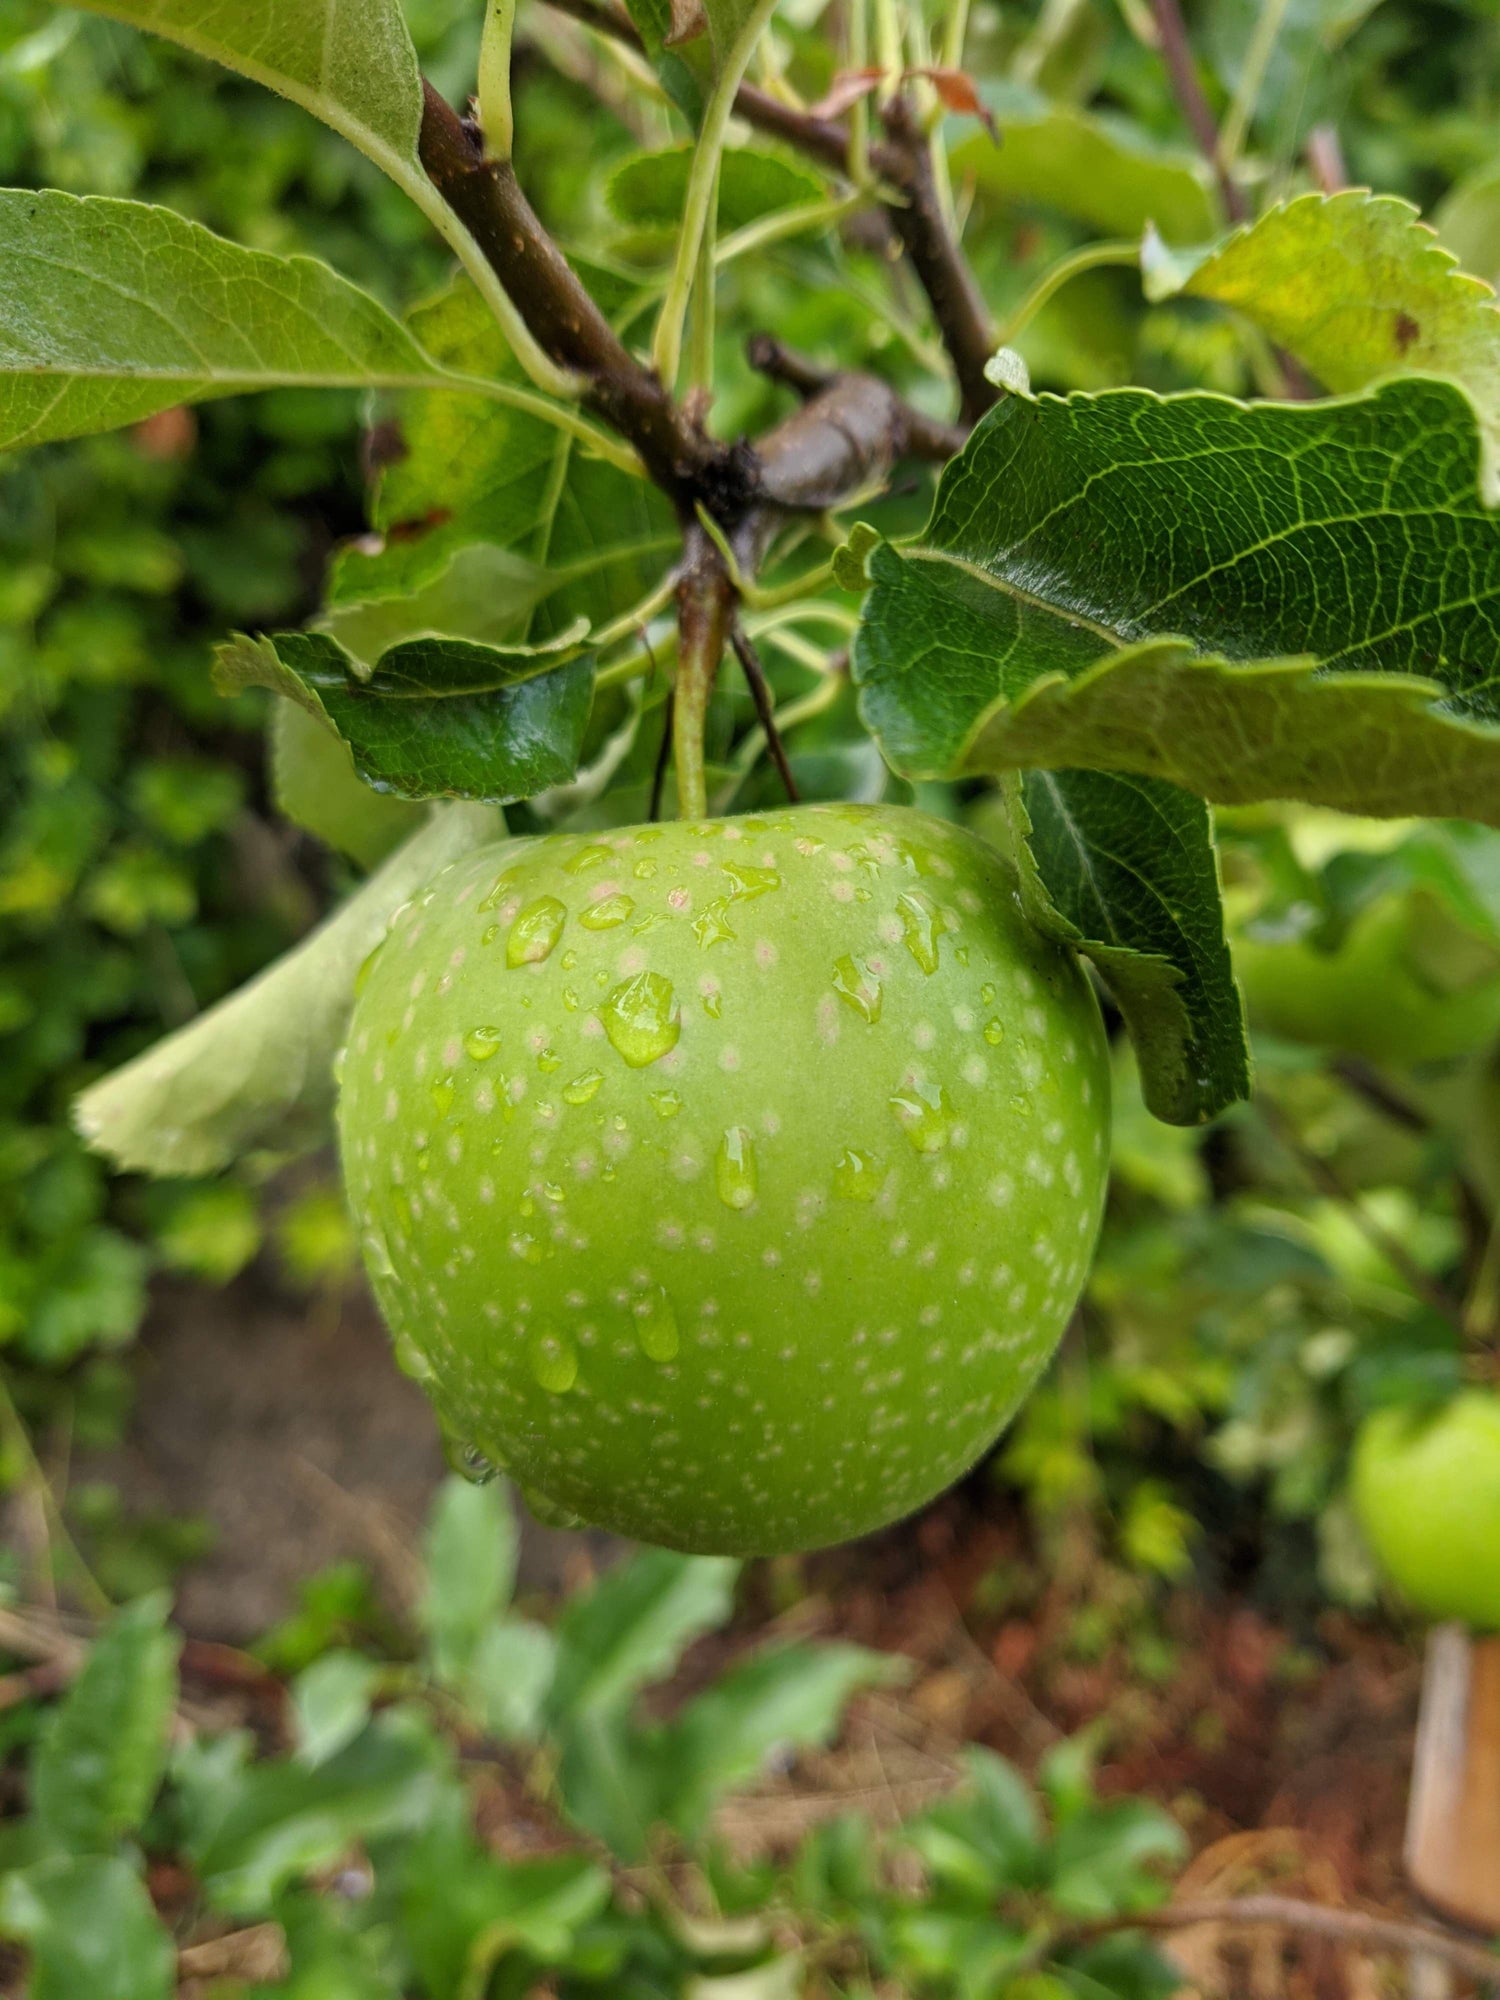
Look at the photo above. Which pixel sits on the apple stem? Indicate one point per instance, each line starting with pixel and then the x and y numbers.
pixel 705 605
pixel 1453 1820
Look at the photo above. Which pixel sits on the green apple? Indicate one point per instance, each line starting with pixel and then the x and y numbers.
pixel 1404 986
pixel 728 1183
pixel 1426 1489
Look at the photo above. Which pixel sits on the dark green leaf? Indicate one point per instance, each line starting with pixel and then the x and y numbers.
pixel 434 718
pixel 1119 582
pixel 648 190
pixel 316 787
pixel 100 1761
pixel 1125 870
pixel 90 1929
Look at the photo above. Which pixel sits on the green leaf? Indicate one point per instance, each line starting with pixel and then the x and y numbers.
pixel 789 1697
pixel 581 538
pixel 632 1627
pixel 349 62
pixel 257 1070
pixel 314 784
pixel 1103 1858
pixel 434 718
pixel 1046 619
pixel 1125 870
pixel 470 1551
pixel 683 70
pixel 90 1928
pixel 648 189
pixel 508 1678
pixel 1358 288
pixel 282 1820
pixel 1468 221
pixel 99 1763
pixel 1096 169
pixel 986 1837
pixel 331 1702
pixel 111 310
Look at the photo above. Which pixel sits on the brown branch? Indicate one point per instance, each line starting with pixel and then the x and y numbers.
pixel 942 269
pixel 1182 71
pixel 904 162
pixel 1353 1927
pixel 705 605
pixel 849 432
pixel 559 312
pixel 760 694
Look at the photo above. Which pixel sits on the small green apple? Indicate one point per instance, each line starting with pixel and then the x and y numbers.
pixel 728 1183
pixel 1426 1489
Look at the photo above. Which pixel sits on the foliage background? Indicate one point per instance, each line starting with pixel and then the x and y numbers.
pixel 1245 1313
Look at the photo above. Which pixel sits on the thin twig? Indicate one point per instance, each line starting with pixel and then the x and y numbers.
pixel 1177 54
pixel 663 756
pixel 1385 1935
pixel 765 708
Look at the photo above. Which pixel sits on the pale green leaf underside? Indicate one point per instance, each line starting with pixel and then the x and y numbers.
pixel 1358 289
pixel 257 1070
pixel 349 62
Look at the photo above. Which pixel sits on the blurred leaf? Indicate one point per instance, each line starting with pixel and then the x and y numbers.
pixel 110 310
pixel 1356 287
pixel 985 1837
pixel 100 1761
pixel 649 189
pixel 257 1070
pixel 316 787
pixel 508 1678
pixel 211 1232
pixel 331 1702
pixel 1100 170
pixel 632 1627
pixel 89 1926
pixel 284 1820
pixel 470 1554
pixel 781 1700
pixel 1103 1859
pixel 435 718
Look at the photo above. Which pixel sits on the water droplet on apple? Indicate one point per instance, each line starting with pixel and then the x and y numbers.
pixel 535 931
pixel 735 1168
pixel 641 1019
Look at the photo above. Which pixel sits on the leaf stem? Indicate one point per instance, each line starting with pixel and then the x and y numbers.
pixel 1093 256
pixel 666 347
pixel 705 604
pixel 496 118
pixel 657 598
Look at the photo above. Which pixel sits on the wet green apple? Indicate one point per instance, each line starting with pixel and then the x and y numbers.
pixel 727 1183
pixel 1426 1489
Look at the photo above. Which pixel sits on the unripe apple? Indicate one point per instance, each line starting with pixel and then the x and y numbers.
pixel 727 1183
pixel 1426 1489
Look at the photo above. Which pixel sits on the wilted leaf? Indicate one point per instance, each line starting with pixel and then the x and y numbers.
pixel 257 1070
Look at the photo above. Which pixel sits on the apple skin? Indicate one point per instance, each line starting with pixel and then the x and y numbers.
pixel 727 1183
pixel 1365 999
pixel 1426 1490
